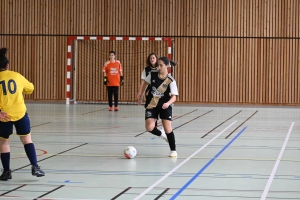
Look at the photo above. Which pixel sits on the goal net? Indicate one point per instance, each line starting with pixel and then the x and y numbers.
pixel 87 55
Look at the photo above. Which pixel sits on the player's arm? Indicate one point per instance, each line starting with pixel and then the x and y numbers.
pixel 143 86
pixel 141 92
pixel 121 74
pixel 170 102
pixel 4 117
pixel 28 86
pixel 140 89
pixel 173 93
pixel 104 74
pixel 143 77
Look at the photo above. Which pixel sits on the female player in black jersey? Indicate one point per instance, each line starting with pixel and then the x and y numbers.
pixel 162 94
pixel 151 65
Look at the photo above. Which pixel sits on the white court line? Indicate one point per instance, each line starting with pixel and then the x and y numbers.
pixel 265 193
pixel 182 163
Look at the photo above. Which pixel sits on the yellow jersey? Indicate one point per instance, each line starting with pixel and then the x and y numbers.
pixel 12 86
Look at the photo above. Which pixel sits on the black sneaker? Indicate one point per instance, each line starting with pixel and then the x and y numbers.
pixel 36 171
pixel 5 175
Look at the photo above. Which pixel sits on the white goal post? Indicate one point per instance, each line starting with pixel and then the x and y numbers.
pixel 72 48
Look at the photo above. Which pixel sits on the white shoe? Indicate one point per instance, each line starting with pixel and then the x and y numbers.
pixel 173 154
pixel 163 135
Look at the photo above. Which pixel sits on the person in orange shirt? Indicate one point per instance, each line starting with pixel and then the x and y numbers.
pixel 113 78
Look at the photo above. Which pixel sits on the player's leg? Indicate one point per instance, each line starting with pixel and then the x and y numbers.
pixel 151 117
pixel 23 130
pixel 150 125
pixel 109 95
pixel 116 97
pixel 166 117
pixel 6 129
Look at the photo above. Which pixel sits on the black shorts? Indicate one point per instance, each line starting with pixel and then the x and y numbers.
pixel 22 127
pixel 162 113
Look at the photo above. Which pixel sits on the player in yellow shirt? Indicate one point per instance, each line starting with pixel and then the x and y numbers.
pixel 13 113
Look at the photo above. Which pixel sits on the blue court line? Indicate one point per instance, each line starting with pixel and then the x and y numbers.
pixel 198 174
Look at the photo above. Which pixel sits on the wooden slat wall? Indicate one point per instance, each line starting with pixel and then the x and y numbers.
pixel 234 18
pixel 42 60
pixel 229 51
pixel 232 70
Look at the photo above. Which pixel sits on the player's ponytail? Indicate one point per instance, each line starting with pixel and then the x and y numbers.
pixel 3 60
pixel 173 63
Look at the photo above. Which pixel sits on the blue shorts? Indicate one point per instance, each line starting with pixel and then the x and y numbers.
pixel 22 127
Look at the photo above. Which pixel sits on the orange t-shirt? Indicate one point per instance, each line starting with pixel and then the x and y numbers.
pixel 112 70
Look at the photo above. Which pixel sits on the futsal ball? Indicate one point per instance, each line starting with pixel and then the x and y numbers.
pixel 130 152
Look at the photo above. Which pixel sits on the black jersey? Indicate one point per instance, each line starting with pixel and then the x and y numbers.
pixel 145 73
pixel 160 89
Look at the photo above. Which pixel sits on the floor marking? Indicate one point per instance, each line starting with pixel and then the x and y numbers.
pixel 115 197
pixel 193 119
pixel 240 125
pixel 93 111
pixel 49 192
pixel 266 190
pixel 66 181
pixel 51 156
pixel 12 190
pixel 166 190
pixel 182 163
pixel 203 168
pixel 221 124
pixel 40 124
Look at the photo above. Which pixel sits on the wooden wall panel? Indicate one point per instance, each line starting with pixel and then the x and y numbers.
pixel 42 61
pixel 252 18
pixel 228 51
pixel 232 70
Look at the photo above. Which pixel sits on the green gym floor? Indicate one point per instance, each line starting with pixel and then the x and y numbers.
pixel 224 153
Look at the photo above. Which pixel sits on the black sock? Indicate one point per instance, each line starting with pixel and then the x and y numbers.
pixel 156 132
pixel 171 139
pixel 5 159
pixel 31 154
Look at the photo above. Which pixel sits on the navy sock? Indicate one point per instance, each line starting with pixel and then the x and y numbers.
pixel 5 159
pixel 31 154
pixel 156 132
pixel 171 139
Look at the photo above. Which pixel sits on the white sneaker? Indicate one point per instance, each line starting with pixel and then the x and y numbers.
pixel 173 154
pixel 163 135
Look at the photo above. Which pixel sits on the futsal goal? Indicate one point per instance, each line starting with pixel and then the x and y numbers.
pixel 87 55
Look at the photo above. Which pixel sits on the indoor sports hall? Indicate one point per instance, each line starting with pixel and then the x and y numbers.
pixel 236 118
